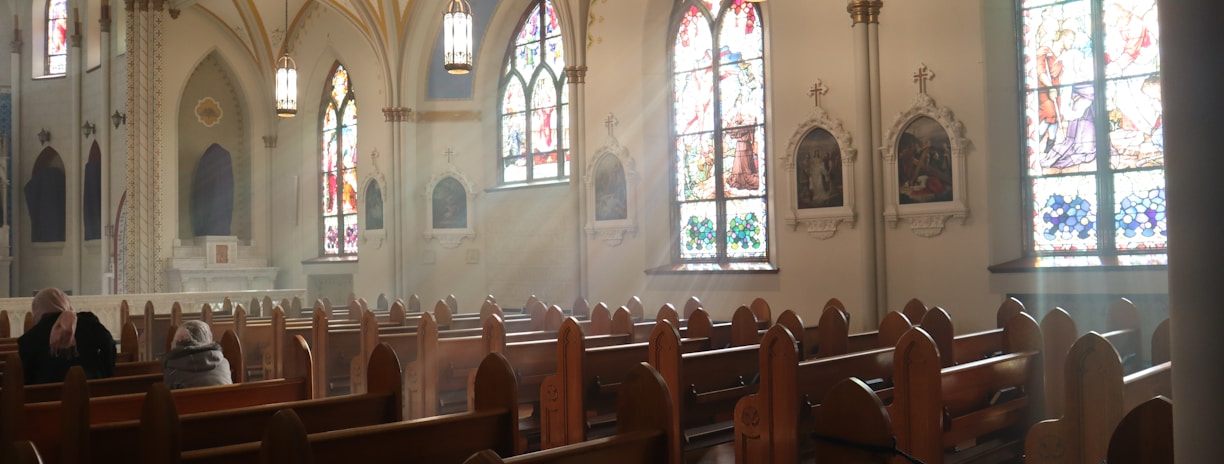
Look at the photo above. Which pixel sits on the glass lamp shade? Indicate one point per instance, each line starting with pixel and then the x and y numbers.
pixel 286 87
pixel 457 37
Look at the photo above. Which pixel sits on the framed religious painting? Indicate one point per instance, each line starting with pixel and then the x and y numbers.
pixel 610 182
pixel 820 164
pixel 373 233
pixel 449 200
pixel 924 158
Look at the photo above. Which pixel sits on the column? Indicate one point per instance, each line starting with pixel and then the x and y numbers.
pixel 105 128
pixel 865 15
pixel 13 221
pixel 75 161
pixel 1192 96
pixel 143 238
pixel 576 76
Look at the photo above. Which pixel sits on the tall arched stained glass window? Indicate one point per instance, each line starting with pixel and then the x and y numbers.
pixel 718 130
pixel 338 165
pixel 1094 142
pixel 57 36
pixel 534 135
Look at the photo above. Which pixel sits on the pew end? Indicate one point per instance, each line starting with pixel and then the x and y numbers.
pixel 851 425
pixel 285 440
pixel 22 452
pixel 1145 435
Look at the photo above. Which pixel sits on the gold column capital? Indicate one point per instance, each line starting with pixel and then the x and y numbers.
pixel 576 74
pixel 397 114
pixel 865 11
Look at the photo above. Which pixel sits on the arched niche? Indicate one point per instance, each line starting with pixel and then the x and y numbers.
pixel 212 113
pixel 212 193
pixel 45 198
pixel 91 201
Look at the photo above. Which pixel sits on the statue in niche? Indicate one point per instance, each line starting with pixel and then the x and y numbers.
pixel 449 205
pixel 212 193
pixel 610 196
pixel 374 207
pixel 45 198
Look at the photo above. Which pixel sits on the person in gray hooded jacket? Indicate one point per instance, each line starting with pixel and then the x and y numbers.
pixel 195 360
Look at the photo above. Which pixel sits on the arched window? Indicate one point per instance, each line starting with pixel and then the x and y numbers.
pixel 338 166
pixel 1094 138
pixel 718 131
pixel 57 37
pixel 534 103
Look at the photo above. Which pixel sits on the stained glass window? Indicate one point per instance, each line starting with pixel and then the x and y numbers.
pixel 718 128
pixel 534 131
pixel 1094 138
pixel 338 164
pixel 57 36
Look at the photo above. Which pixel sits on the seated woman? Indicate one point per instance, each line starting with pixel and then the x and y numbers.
pixel 62 338
pixel 195 360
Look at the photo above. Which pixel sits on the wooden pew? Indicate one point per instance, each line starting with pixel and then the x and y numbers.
pixel 493 424
pixel 579 401
pixel 130 377
pixel 645 432
pixel 935 410
pixel 1060 333
pixel 771 424
pixel 1096 396
pixel 704 387
pixel 536 360
pixel 50 424
pixel 145 328
pixel 437 380
pixel 842 433
pixel 1145 435
pixel 155 434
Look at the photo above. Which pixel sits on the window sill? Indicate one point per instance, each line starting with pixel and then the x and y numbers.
pixel 330 265
pixel 714 268
pixel 521 186
pixel 1151 262
pixel 48 77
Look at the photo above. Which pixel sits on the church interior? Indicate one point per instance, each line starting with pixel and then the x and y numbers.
pixel 956 152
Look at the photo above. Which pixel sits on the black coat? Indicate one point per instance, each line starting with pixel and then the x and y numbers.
pixel 94 344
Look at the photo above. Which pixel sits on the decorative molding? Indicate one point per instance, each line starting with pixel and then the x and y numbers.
pixel 821 222
pixel 446 116
pixel 611 231
pixel 397 114
pixel 451 237
pixel 374 237
pixel 865 11
pixel 576 74
pixel 928 217
pixel 208 111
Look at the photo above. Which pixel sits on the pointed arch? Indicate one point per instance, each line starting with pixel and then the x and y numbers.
pixel 45 198
pixel 56 39
pixel 719 201
pixel 533 132
pixel 91 201
pixel 338 164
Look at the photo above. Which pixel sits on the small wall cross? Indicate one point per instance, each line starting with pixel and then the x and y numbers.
pixel 922 76
pixel 817 90
pixel 611 122
pixel 450 155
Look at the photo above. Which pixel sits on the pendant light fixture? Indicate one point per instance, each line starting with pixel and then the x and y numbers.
pixel 286 77
pixel 457 37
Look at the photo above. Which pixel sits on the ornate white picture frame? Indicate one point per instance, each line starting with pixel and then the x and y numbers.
pixel 924 151
pixel 370 236
pixel 450 209
pixel 819 161
pixel 611 185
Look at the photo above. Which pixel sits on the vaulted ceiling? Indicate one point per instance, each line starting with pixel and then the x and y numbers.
pixel 260 24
